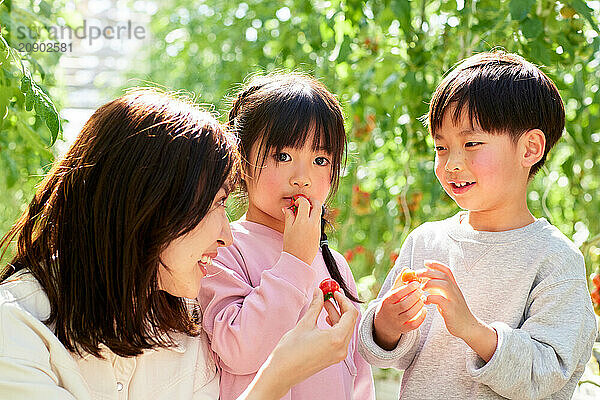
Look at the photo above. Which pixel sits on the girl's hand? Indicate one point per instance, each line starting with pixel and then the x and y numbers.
pixel 302 231
pixel 305 350
pixel 453 307
pixel 400 311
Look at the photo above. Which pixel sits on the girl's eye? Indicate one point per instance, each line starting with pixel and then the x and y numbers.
pixel 472 144
pixel 282 157
pixel 322 161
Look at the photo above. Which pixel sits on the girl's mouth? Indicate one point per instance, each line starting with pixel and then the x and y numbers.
pixel 461 187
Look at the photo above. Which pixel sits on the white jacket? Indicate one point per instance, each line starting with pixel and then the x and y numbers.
pixel 35 365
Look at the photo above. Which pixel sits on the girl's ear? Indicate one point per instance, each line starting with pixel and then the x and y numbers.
pixel 532 145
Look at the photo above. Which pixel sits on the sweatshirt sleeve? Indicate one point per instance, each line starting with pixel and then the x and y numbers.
pixel 549 350
pixel 364 387
pixel 245 323
pixel 407 346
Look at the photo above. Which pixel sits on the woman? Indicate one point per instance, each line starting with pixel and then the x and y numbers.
pixel 117 237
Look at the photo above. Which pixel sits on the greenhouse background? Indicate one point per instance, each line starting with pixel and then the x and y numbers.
pixel 382 59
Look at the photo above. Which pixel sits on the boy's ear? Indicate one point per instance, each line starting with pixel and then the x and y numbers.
pixel 532 146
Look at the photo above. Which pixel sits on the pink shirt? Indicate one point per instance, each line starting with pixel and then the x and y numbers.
pixel 260 295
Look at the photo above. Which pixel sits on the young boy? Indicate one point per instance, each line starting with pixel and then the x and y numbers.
pixel 504 310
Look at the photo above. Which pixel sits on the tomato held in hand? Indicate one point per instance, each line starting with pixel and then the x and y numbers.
pixel 328 286
pixel 293 205
pixel 407 276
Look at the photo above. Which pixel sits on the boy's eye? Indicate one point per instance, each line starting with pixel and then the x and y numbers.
pixel 439 148
pixel 322 161
pixel 472 144
pixel 282 157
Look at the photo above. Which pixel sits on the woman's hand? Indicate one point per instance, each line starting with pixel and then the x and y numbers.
pixel 302 231
pixel 305 350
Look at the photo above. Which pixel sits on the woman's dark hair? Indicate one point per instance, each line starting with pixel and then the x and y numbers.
pixel 504 94
pixel 283 110
pixel 144 170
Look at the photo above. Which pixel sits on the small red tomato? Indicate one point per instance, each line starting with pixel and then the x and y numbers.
pixel 596 296
pixel 409 276
pixel 293 205
pixel 328 286
pixel 349 255
pixel 596 280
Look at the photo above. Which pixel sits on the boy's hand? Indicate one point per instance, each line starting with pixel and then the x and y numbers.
pixel 453 307
pixel 302 231
pixel 400 311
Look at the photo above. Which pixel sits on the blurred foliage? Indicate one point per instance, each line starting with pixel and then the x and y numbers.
pixel 29 121
pixel 383 59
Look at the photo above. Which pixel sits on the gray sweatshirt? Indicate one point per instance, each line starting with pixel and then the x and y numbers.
pixel 528 283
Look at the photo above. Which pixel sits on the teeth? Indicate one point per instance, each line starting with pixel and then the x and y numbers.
pixel 461 184
pixel 206 259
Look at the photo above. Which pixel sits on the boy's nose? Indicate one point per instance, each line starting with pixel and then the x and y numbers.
pixel 454 163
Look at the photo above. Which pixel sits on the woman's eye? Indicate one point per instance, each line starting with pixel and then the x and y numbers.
pixel 322 161
pixel 282 157
pixel 222 202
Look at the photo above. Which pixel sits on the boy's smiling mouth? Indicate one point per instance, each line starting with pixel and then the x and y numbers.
pixel 459 187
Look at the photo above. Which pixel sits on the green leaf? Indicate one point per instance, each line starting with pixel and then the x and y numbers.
pixel 29 100
pixel 532 28
pixel 520 8
pixel 25 84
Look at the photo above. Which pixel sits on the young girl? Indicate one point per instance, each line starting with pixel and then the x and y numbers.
pixel 292 139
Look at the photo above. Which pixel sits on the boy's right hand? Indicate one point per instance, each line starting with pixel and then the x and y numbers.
pixel 400 311
pixel 302 231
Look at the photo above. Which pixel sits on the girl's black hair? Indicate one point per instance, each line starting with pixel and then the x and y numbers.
pixel 283 110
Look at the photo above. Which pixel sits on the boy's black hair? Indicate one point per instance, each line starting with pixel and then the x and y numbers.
pixel 504 94
pixel 283 110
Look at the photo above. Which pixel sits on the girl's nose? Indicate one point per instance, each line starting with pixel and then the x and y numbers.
pixel 301 181
pixel 300 178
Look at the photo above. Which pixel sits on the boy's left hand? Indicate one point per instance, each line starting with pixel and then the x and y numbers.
pixel 446 295
pixel 459 320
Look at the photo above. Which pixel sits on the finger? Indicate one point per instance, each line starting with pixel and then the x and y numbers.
pixel 411 312
pixel 415 322
pixel 408 301
pixel 309 319
pixel 432 274
pixel 288 216
pixel 332 312
pixel 328 321
pixel 436 299
pixel 343 302
pixel 316 209
pixel 303 206
pixel 346 323
pixel 438 286
pixel 403 291
pixel 440 267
